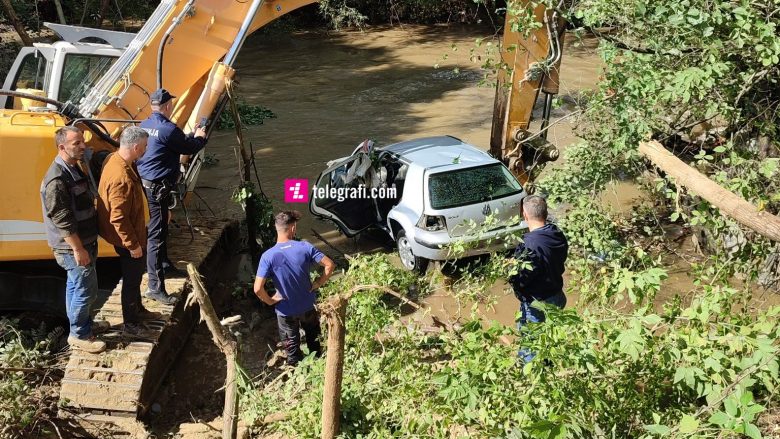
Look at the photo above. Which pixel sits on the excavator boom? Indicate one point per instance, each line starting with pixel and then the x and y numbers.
pixel 531 59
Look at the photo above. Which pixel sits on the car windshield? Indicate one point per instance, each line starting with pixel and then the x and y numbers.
pixel 472 185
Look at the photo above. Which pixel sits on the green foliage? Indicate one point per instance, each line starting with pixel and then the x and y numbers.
pixel 250 115
pixel 340 13
pixel 20 408
pixel 699 369
pixel 262 210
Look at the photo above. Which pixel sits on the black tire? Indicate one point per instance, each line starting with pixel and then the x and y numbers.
pixel 409 260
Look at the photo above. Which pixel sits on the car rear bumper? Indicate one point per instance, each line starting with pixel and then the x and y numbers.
pixel 436 245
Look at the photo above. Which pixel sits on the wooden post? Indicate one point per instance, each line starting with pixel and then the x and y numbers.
pixel 226 343
pixel 335 313
pixel 729 203
pixel 245 172
pixel 14 19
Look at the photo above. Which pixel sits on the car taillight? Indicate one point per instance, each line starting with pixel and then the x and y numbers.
pixel 432 223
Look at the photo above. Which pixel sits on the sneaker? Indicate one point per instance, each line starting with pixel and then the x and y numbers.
pixel 91 345
pixel 100 326
pixel 145 314
pixel 160 297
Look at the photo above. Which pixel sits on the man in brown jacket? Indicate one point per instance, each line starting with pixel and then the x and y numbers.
pixel 121 222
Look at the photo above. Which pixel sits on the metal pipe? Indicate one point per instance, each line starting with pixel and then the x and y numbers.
pixel 87 119
pixel 32 97
pixel 161 50
pixel 548 97
pixel 67 109
pixel 232 53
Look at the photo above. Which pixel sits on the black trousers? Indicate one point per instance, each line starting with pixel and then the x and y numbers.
pixel 290 334
pixel 157 234
pixel 132 271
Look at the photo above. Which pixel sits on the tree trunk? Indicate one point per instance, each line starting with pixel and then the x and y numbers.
pixel 335 315
pixel 12 17
pixel 60 13
pixel 226 343
pixel 762 222
pixel 104 4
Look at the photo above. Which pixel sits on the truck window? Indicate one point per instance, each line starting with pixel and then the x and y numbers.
pixel 79 73
pixel 31 74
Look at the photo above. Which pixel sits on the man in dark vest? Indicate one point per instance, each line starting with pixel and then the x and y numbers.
pixel 68 195
pixel 159 171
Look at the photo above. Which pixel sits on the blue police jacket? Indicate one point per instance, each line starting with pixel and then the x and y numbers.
pixel 166 143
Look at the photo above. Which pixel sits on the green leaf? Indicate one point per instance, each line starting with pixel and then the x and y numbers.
pixel 752 431
pixel 658 429
pixel 719 418
pixel 688 424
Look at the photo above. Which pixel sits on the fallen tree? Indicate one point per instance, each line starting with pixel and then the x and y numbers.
pixel 729 203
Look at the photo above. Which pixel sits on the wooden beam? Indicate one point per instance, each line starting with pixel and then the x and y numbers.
pixel 729 203
pixel 226 343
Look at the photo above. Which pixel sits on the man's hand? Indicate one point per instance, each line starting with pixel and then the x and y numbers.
pixel 330 266
pixel 136 252
pixel 276 298
pixel 200 131
pixel 82 256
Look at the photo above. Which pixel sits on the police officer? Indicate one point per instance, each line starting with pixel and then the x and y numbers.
pixel 159 171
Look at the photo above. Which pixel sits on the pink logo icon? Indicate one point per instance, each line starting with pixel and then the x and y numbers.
pixel 296 190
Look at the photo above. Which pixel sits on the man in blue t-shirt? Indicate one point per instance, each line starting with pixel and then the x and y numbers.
pixel 288 263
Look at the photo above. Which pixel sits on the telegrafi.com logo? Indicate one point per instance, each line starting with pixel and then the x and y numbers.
pixel 296 190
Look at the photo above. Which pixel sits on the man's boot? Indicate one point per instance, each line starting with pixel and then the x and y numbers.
pixel 91 345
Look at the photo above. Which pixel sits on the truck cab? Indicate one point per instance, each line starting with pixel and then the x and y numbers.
pixel 64 70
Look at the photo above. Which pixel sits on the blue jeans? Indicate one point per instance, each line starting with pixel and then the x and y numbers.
pixel 81 290
pixel 529 314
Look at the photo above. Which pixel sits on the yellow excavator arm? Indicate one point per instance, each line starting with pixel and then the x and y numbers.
pixel 531 62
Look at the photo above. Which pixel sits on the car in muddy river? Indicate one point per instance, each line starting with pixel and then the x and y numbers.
pixel 427 194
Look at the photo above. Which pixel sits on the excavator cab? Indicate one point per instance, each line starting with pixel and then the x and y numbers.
pixel 64 70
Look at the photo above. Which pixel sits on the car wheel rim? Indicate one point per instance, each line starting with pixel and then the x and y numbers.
pixel 405 252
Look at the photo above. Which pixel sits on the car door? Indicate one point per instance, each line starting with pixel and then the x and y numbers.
pixel 335 198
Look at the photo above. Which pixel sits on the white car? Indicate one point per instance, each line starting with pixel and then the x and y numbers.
pixel 424 193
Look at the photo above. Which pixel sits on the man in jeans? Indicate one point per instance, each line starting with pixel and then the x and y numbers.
pixel 68 199
pixel 288 263
pixel 121 222
pixel 545 249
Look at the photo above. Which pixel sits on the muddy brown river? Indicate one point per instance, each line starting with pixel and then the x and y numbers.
pixel 331 91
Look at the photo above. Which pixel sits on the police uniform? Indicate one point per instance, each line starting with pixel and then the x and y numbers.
pixel 159 171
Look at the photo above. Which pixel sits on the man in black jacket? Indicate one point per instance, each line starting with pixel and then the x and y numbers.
pixel 544 248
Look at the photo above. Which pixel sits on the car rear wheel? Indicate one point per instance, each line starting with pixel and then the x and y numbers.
pixel 408 259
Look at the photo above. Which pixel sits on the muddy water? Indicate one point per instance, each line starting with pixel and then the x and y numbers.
pixel 331 91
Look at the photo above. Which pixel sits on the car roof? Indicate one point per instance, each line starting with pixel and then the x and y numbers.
pixel 440 151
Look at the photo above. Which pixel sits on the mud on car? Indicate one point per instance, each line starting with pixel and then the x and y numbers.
pixel 426 194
